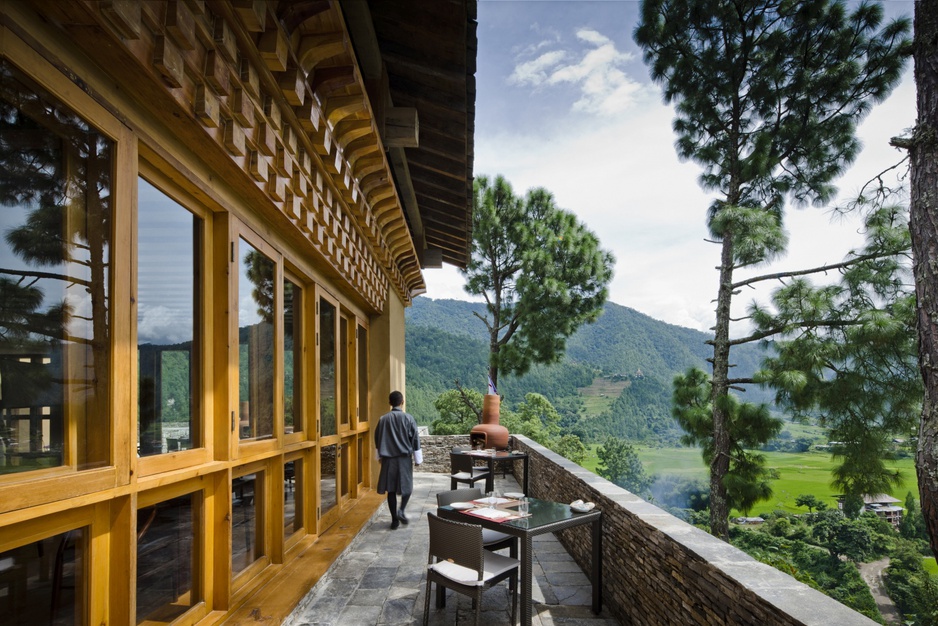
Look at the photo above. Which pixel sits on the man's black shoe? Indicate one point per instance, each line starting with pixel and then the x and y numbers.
pixel 403 518
pixel 395 523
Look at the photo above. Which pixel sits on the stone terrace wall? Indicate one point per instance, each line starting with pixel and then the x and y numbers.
pixel 659 570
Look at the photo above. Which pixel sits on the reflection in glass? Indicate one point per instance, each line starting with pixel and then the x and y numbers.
pixel 256 343
pixel 360 461
pixel 327 478
pixel 344 371
pixel 293 490
pixel 362 374
pixel 344 479
pixel 246 543
pixel 55 220
pixel 167 314
pixel 45 581
pixel 165 559
pixel 327 318
pixel 292 358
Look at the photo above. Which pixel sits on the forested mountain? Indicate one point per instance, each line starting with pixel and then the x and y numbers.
pixel 446 342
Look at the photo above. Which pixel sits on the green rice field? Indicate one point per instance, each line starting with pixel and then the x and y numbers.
pixel 799 473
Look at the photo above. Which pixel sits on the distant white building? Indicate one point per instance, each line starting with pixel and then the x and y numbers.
pixel 885 506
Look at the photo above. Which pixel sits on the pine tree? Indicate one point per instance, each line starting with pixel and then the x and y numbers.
pixel 767 97
pixel 541 272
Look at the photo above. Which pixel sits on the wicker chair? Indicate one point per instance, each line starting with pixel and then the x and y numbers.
pixel 458 561
pixel 491 539
pixel 463 470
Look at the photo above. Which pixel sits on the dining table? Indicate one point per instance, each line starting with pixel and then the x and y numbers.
pixel 544 516
pixel 491 456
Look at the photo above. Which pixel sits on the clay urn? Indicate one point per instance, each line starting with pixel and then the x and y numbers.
pixel 496 435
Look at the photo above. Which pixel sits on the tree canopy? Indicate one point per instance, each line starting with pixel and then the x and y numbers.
pixel 541 272
pixel 767 97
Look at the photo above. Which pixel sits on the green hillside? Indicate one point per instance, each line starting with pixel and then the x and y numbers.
pixel 615 378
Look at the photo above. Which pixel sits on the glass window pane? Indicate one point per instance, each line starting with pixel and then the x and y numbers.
pixel 256 341
pixel 165 559
pixel 344 373
pixel 292 358
pixel 44 582
pixel 168 247
pixel 246 545
pixel 327 354
pixel 328 477
pixel 362 374
pixel 55 218
pixel 293 490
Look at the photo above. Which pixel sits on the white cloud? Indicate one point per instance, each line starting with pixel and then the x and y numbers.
pixel 535 72
pixel 604 89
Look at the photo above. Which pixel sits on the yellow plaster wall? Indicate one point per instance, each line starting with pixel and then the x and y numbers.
pixel 387 358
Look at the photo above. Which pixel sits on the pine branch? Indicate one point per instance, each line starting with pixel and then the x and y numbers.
pixel 37 275
pixel 466 400
pixel 816 270
pixel 802 325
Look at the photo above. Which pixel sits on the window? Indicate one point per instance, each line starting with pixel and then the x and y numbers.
pixel 362 376
pixel 247 521
pixel 166 559
pixel 328 478
pixel 256 301
pixel 44 582
pixel 168 252
pixel 327 368
pixel 293 490
pixel 55 171
pixel 292 356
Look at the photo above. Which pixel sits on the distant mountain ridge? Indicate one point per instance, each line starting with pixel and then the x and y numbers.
pixel 445 341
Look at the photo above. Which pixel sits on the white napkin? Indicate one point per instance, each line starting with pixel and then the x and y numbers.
pixel 492 513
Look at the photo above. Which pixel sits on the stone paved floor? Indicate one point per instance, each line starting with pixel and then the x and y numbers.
pixel 380 578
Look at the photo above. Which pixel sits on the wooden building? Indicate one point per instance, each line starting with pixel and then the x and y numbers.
pixel 213 215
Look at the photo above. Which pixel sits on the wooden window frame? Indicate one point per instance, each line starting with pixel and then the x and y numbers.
pixel 247 448
pixel 158 463
pixel 53 484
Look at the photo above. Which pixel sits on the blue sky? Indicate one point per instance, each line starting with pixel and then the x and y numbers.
pixel 564 102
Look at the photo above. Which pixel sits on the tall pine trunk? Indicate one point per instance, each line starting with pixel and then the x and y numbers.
pixel 923 224
pixel 720 463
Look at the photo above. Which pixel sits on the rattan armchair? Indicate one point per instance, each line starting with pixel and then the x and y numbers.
pixel 458 561
pixel 464 470
pixel 491 539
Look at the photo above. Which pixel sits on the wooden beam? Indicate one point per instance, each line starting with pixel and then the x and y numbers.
pixel 401 128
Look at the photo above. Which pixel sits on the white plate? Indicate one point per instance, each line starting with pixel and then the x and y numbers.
pixel 462 506
pixel 583 508
pixel 514 494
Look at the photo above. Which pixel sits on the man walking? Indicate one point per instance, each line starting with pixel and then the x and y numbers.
pixel 396 439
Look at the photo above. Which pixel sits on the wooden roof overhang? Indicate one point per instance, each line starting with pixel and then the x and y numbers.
pixel 428 53
pixel 328 149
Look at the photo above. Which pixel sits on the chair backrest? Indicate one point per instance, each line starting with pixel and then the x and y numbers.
pixel 461 462
pixel 461 543
pixel 445 498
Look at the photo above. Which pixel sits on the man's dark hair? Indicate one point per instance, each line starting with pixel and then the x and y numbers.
pixel 396 398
